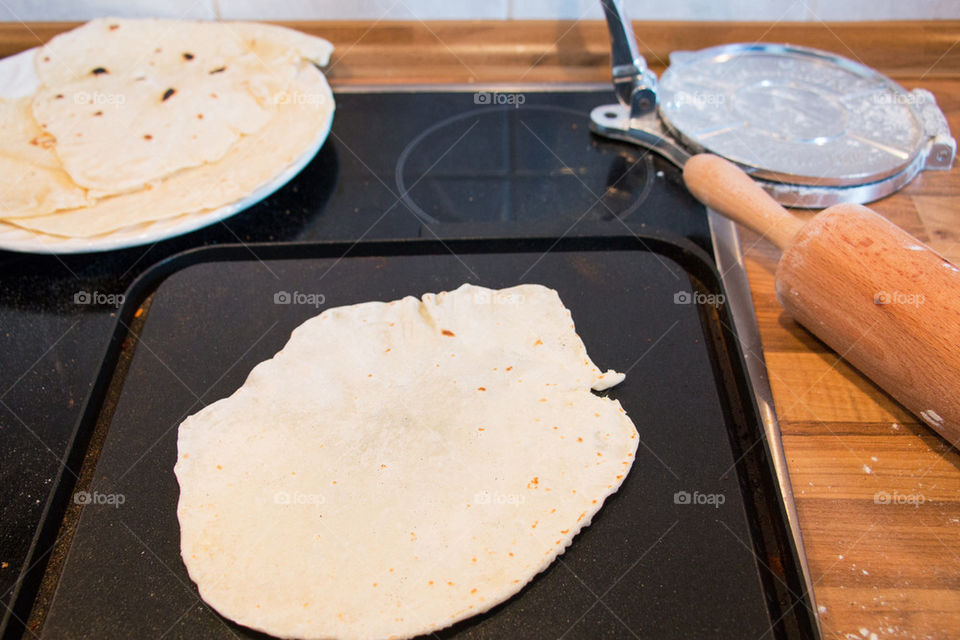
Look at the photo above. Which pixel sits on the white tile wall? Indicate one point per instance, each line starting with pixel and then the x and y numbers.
pixel 755 10
pixel 763 10
pixel 32 10
pixel 362 9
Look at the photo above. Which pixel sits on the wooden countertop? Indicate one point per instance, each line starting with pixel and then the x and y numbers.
pixel 887 569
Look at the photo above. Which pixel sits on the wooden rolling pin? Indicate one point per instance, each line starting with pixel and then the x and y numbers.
pixel 876 295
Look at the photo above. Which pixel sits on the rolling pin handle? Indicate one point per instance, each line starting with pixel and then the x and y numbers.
pixel 725 188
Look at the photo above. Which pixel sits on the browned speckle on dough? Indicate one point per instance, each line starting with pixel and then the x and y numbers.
pixel 448 333
pixel 147 136
pixel 481 388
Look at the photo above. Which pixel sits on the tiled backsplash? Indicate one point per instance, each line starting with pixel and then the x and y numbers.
pixel 762 10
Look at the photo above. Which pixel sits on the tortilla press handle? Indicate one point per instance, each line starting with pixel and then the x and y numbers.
pixel 634 83
pixel 725 188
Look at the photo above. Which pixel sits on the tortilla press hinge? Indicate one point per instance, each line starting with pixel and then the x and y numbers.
pixel 812 128
pixel 943 147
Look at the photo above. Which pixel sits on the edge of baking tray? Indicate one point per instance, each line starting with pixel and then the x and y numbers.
pixel 673 247
pixel 733 273
pixel 465 87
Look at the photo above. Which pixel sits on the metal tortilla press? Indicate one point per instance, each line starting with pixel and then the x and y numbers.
pixel 813 128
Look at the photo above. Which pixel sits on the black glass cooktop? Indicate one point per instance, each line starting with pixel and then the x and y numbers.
pixel 396 166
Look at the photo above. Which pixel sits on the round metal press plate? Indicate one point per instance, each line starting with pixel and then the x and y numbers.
pixel 791 114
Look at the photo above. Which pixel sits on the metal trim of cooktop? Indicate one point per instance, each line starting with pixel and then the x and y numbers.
pixel 465 87
pixel 733 274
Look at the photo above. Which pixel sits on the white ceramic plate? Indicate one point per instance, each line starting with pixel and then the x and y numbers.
pixel 17 79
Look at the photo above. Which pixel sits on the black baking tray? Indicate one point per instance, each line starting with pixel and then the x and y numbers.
pixel 652 565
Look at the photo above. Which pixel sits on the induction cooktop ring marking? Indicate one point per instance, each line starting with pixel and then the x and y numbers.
pixel 417 210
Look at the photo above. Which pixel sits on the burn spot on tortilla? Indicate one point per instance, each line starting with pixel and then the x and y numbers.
pixel 187 55
pixel 217 70
pixel 113 27
pixel 199 116
pixel 98 70
pixel 59 96
pixel 46 58
pixel 448 333
pixel 168 94
pixel 481 388
pixel 147 136
pixel 98 113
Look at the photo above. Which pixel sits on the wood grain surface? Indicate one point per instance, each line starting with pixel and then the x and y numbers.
pixel 878 494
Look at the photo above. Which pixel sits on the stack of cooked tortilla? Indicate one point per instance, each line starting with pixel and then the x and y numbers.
pixel 141 120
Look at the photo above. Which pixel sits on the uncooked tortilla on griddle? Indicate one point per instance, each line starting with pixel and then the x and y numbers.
pixel 399 466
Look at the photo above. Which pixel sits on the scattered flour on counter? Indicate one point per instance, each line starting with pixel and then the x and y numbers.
pixel 822 609
pixel 867 469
